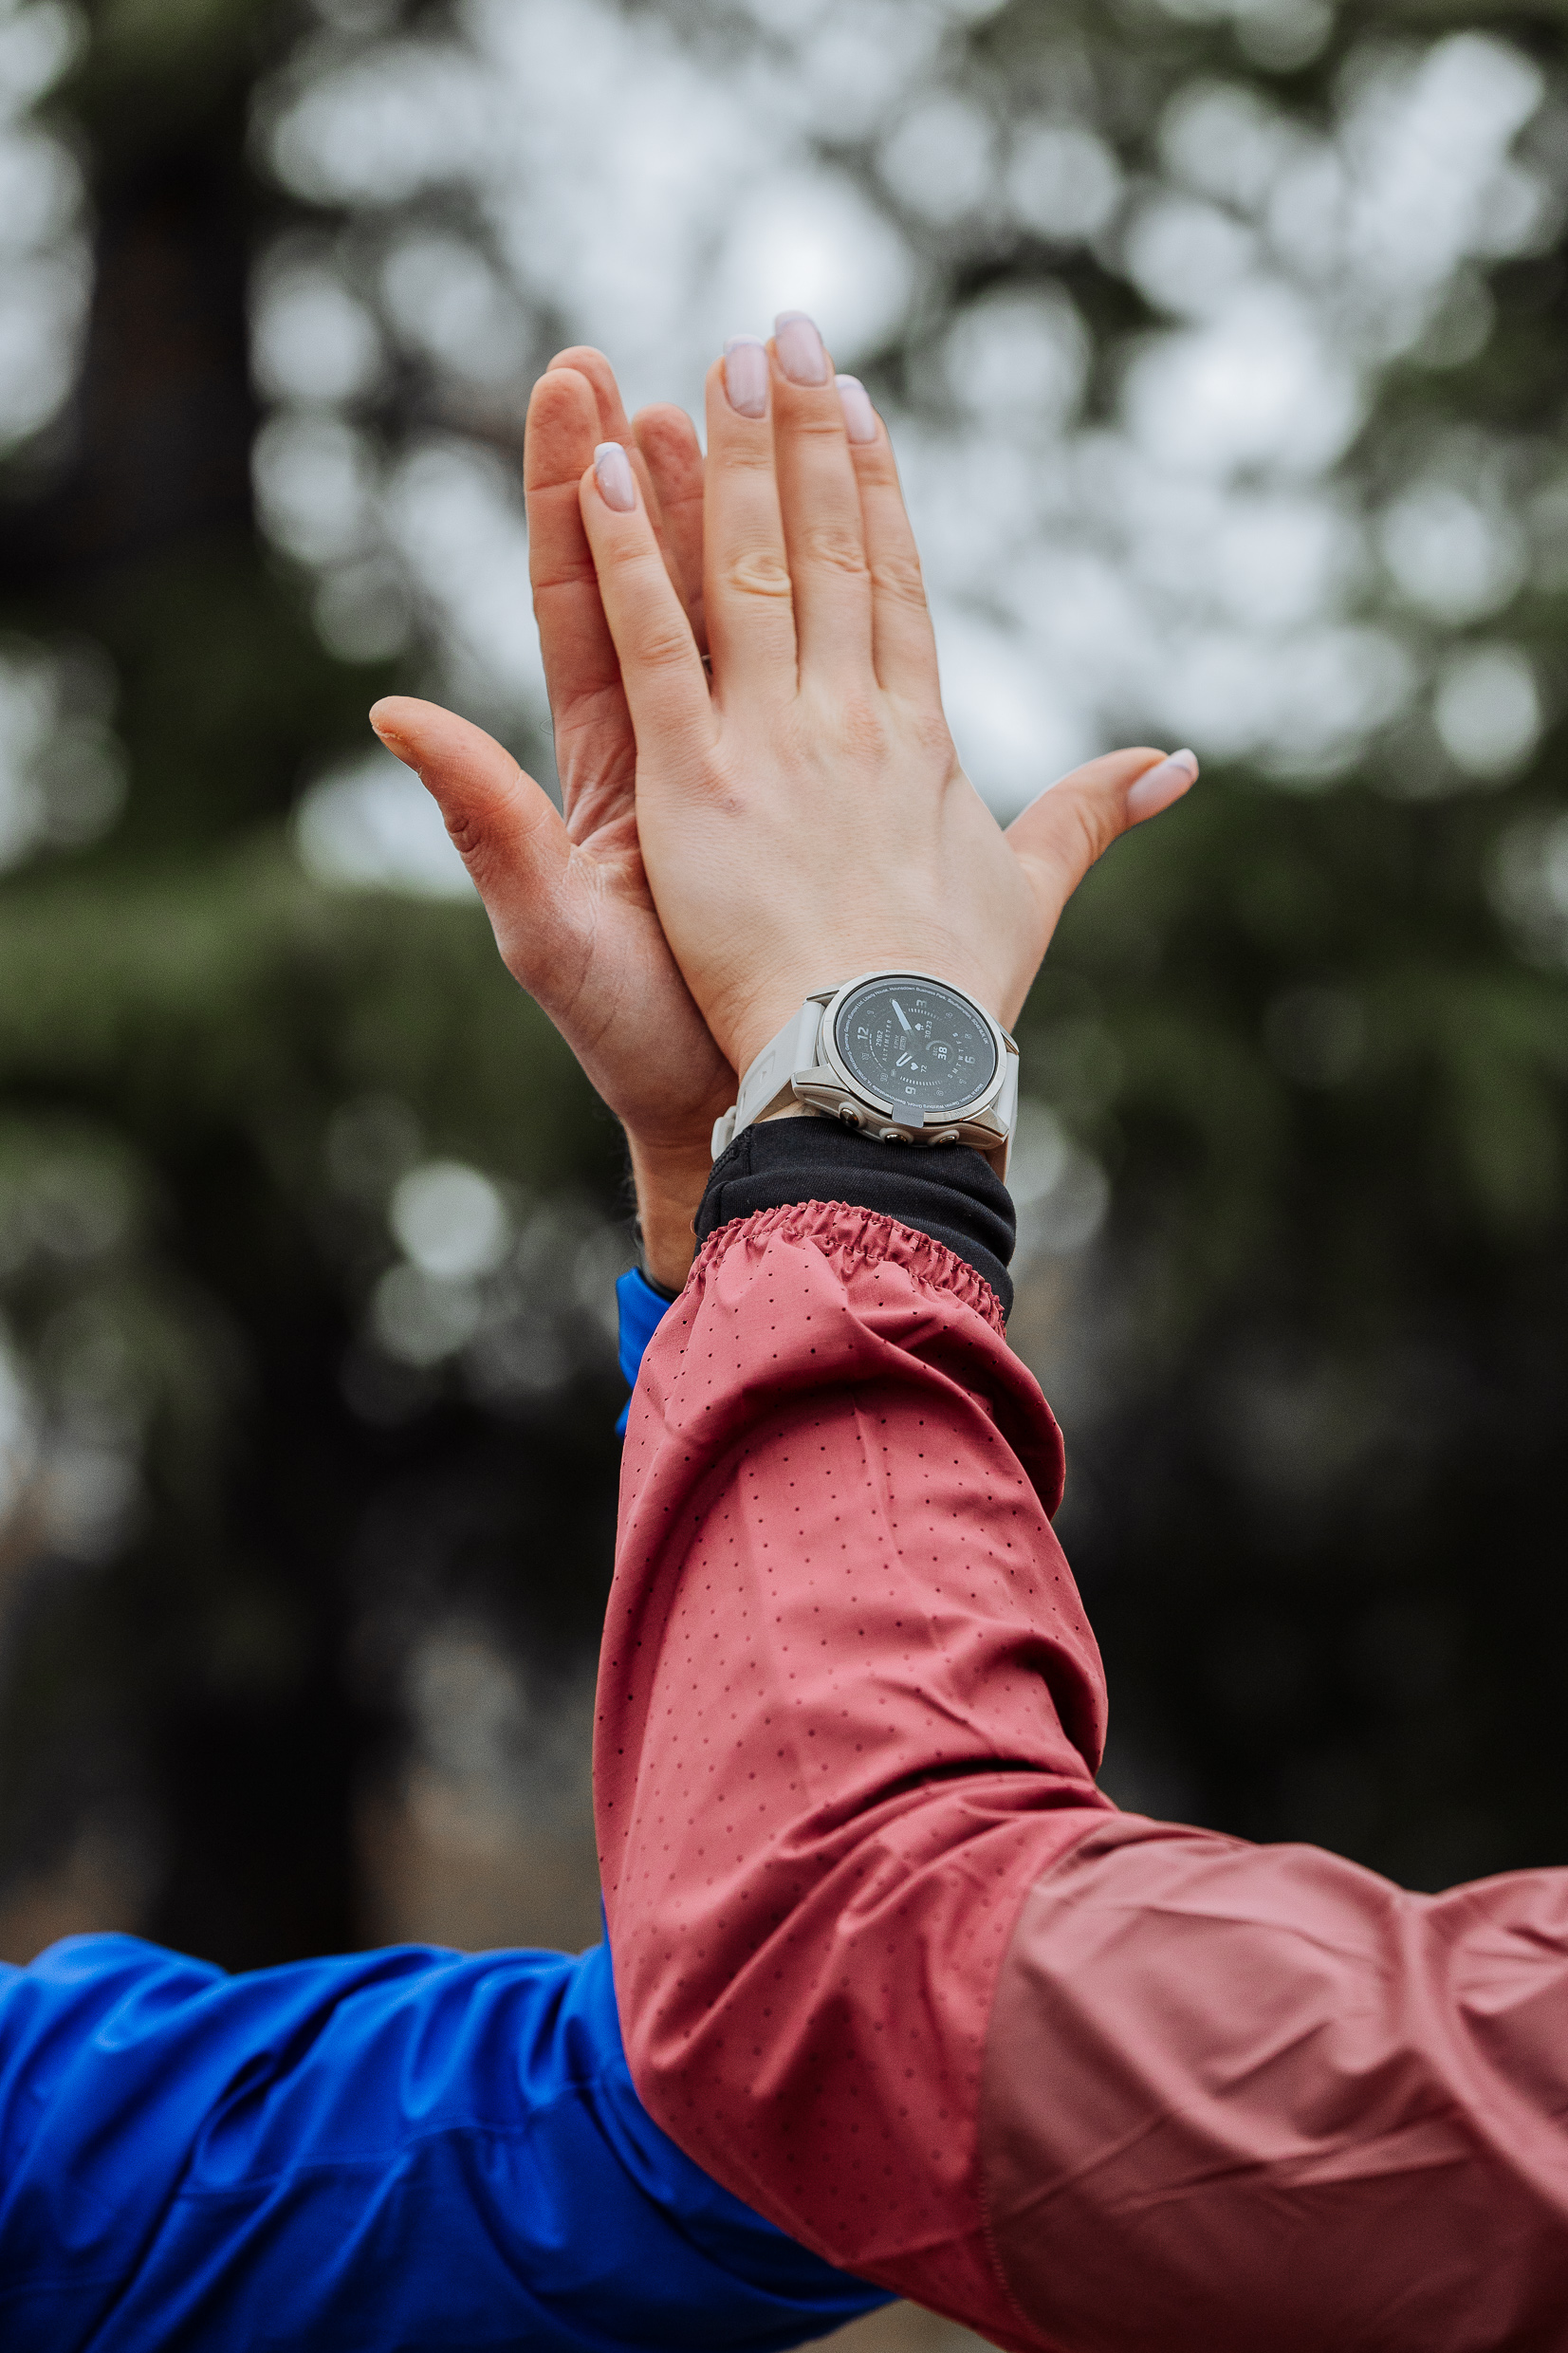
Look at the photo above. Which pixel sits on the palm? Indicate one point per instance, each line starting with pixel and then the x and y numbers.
pixel 568 894
pixel 629 1017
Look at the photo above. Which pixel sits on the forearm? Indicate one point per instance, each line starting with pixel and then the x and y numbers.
pixel 895 1971
pixel 824 1823
pixel 390 2150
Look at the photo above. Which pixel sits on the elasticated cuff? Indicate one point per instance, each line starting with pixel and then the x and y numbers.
pixel 948 1191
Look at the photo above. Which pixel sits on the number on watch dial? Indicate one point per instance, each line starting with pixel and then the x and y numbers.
pixel 918 1046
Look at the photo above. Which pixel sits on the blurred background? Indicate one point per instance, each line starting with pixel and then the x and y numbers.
pixel 1225 348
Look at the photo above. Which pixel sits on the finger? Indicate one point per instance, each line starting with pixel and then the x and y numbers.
pixel 820 501
pixel 903 641
pixel 580 665
pixel 672 454
pixel 745 570
pixel 660 668
pixel 614 425
pixel 591 364
pixel 1058 836
pixel 512 837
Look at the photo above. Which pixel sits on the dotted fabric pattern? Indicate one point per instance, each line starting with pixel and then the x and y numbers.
pixel 849 1708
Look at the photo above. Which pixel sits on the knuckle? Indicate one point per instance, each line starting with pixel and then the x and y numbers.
pixel 624 551
pixel 468 836
pixel 488 866
pixel 834 547
pixel 563 574
pixel 1090 822
pixel 664 648
pixel 860 724
pixel 818 418
pixel 579 712
pixel 932 735
pixel 760 573
pixel 900 580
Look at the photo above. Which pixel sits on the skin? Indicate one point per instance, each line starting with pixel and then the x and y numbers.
pixel 732 841
pixel 567 891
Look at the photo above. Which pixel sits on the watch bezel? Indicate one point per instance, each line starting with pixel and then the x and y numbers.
pixel 975 1106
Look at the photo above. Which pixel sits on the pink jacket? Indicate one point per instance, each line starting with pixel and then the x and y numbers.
pixel 893 1968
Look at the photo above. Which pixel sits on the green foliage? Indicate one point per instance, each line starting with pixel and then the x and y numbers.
pixel 1313 1025
pixel 222 991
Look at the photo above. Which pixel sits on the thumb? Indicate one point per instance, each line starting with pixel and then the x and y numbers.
pixel 507 828
pixel 1059 835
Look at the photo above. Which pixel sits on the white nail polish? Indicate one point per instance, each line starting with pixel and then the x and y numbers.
pixel 613 472
pixel 859 416
pixel 1162 784
pixel 800 348
pixel 745 375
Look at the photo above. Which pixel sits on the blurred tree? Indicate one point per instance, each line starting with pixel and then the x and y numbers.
pixel 1320 1030
pixel 219 1075
pixel 1223 341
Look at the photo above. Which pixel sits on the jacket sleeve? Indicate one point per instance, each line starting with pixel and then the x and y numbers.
pixel 895 1971
pixel 391 2150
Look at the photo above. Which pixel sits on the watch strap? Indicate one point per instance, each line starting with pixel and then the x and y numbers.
pixel 767 1081
pixel 790 1064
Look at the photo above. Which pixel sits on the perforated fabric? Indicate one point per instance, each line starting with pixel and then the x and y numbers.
pixel 946 1190
pixel 641 1306
pixel 849 1707
pixel 897 1973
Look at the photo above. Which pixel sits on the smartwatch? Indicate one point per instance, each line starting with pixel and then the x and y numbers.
pixel 902 1057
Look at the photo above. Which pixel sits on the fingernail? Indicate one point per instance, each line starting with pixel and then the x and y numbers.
pixel 859 416
pixel 800 348
pixel 1159 786
pixel 613 472
pixel 745 375
pixel 386 729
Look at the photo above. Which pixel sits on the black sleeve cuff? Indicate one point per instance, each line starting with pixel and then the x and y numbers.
pixel 948 1191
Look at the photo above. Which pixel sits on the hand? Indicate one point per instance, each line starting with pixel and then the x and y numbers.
pixel 569 898
pixel 808 819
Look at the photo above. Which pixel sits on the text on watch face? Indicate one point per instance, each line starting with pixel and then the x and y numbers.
pixel 916 1044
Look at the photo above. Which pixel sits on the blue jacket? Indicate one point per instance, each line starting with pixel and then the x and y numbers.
pixel 385 2151
pixel 373 2154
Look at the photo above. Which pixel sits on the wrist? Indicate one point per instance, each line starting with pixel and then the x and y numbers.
pixel 896 1054
pixel 670 1180
pixel 759 1023
pixel 948 1192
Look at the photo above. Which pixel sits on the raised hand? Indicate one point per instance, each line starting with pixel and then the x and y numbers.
pixel 808 818
pixel 567 896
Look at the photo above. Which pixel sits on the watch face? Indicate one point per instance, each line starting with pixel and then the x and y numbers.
pixel 918 1046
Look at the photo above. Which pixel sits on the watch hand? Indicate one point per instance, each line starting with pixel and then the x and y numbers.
pixel 899 1011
